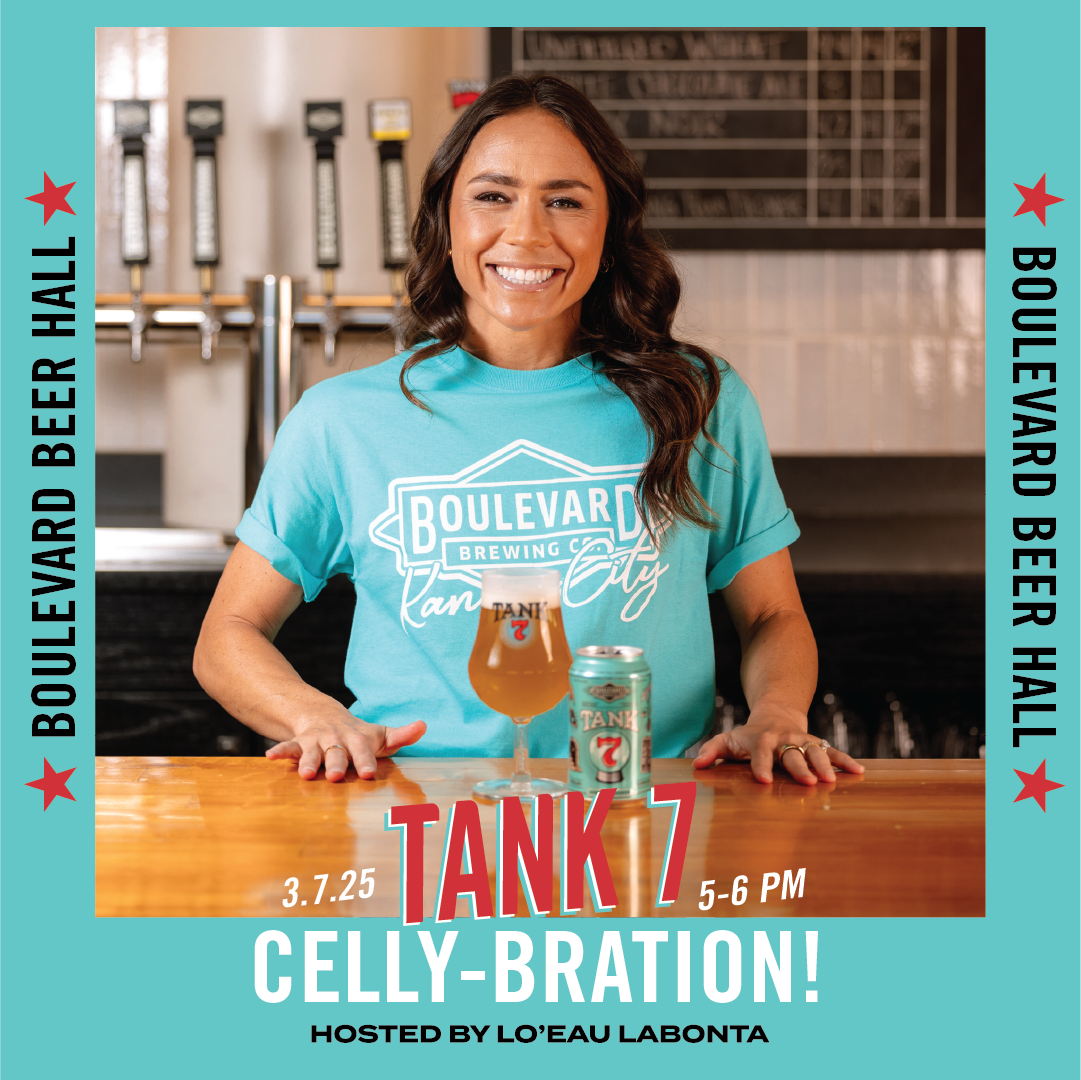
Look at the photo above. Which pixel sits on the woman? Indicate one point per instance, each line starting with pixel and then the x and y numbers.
pixel 543 415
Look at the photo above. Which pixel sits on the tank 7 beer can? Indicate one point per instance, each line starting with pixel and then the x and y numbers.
pixel 611 737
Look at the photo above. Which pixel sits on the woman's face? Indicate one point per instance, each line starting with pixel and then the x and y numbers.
pixel 528 214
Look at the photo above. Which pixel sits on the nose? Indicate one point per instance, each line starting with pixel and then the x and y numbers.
pixel 526 227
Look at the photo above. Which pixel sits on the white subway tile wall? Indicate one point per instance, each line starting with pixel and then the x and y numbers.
pixel 848 352
pixel 129 400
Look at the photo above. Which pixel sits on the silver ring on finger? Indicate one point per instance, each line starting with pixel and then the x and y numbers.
pixel 825 745
pixel 813 746
pixel 790 746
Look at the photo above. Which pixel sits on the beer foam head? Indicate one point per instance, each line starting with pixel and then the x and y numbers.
pixel 519 586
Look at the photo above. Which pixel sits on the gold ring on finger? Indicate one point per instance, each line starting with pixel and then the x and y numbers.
pixel 790 746
pixel 336 746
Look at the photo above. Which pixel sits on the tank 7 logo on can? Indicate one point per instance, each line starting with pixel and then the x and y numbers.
pixel 609 753
pixel 610 702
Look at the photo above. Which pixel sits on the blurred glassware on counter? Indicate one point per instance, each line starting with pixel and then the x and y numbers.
pixel 956 736
pixel 840 726
pixel 900 732
pixel 727 715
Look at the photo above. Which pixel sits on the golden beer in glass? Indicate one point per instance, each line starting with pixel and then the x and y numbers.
pixel 519 664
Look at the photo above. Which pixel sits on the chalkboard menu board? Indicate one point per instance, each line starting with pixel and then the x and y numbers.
pixel 787 138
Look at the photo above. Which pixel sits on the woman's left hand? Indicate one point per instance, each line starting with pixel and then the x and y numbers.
pixel 769 728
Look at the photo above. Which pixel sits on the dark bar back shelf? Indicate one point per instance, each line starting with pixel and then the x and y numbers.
pixel 787 138
pixel 148 701
pixel 919 637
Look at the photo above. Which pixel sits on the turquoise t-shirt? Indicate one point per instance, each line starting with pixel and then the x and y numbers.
pixel 511 468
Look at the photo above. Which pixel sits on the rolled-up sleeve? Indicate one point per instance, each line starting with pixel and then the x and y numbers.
pixel 753 520
pixel 294 521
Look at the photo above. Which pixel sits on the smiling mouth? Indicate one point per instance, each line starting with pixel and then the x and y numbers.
pixel 517 276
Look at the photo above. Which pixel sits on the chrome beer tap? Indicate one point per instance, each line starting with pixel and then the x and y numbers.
pixel 323 121
pixel 390 125
pixel 209 327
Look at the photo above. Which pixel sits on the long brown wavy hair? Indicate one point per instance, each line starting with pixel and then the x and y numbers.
pixel 627 314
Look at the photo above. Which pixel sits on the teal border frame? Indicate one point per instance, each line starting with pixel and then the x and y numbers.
pixel 168 998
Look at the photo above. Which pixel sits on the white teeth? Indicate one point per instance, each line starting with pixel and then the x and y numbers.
pixel 517 274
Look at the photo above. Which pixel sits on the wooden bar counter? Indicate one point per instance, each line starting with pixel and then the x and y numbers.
pixel 223 836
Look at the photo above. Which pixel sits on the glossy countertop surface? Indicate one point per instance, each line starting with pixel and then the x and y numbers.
pixel 223 836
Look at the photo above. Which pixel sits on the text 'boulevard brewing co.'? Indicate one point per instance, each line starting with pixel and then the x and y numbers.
pixel 610 728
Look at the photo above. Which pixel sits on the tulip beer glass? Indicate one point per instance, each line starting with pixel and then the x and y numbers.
pixel 519 664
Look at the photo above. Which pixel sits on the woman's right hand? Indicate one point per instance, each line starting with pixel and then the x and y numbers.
pixel 341 739
pixel 237 664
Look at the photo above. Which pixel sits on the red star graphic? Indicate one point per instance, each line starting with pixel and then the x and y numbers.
pixel 1036 785
pixel 1037 200
pixel 56 783
pixel 53 198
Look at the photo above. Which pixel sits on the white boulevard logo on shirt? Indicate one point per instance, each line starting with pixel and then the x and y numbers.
pixel 578 518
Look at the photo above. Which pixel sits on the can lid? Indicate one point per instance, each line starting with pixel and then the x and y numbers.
pixel 617 652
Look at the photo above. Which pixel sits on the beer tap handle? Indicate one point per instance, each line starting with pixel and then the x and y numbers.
pixel 395 207
pixel 390 124
pixel 324 123
pixel 205 122
pixel 132 122
pixel 327 240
